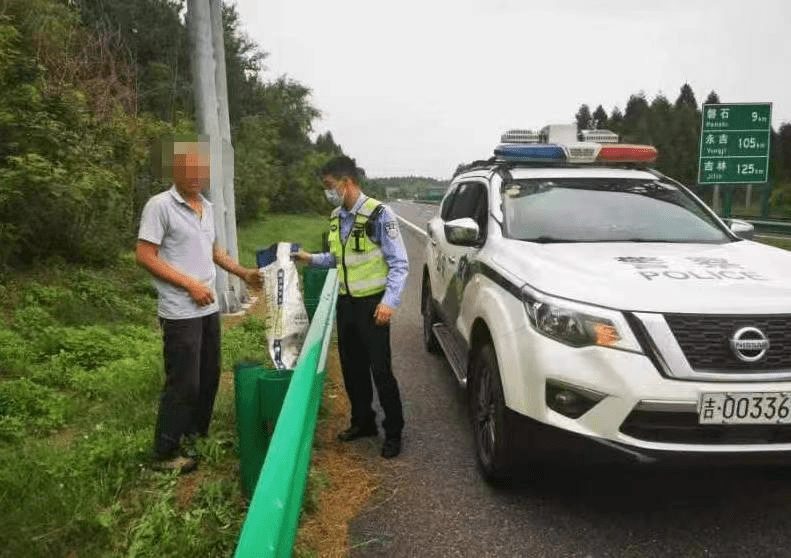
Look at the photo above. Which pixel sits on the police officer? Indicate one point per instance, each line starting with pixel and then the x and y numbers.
pixel 366 246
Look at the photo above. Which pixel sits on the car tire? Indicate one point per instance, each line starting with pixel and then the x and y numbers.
pixel 489 421
pixel 429 319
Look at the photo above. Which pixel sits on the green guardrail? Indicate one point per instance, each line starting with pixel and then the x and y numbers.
pixel 770 226
pixel 271 523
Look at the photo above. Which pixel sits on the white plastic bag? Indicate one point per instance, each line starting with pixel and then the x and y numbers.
pixel 287 320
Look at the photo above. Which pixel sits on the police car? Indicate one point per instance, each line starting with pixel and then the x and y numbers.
pixel 589 302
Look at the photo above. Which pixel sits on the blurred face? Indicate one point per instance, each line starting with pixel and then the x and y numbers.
pixel 190 168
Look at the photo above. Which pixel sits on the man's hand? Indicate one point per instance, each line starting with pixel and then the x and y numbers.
pixel 382 314
pixel 200 293
pixel 253 278
pixel 300 256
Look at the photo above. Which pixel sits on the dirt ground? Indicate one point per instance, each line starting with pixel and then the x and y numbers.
pixel 351 476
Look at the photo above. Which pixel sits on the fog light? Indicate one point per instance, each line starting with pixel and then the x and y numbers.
pixel 570 401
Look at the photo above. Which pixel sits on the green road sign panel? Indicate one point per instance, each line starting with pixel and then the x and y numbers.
pixel 734 143
pixel 733 170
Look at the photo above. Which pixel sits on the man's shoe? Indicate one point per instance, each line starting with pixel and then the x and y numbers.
pixel 391 447
pixel 180 463
pixel 354 432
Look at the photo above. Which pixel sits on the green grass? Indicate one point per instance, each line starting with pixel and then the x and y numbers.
pixel 80 374
pixel 303 229
pixel 784 243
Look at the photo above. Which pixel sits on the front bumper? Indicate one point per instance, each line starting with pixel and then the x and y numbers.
pixel 539 441
pixel 641 416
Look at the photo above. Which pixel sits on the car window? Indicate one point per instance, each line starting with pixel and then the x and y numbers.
pixel 605 210
pixel 469 201
pixel 447 203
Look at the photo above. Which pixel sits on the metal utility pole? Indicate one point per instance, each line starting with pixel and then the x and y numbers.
pixel 207 57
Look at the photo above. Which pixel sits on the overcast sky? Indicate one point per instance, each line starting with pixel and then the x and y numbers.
pixel 415 87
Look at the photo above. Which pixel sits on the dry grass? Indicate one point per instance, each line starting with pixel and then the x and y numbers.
pixel 352 476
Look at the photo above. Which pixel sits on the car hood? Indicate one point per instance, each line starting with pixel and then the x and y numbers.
pixel 738 277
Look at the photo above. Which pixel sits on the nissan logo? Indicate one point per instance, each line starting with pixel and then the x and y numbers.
pixel 749 344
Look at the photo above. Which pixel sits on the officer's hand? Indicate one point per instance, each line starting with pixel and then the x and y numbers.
pixel 253 278
pixel 200 293
pixel 300 256
pixel 382 314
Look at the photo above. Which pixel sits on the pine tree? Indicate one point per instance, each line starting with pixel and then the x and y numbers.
pixel 712 99
pixel 599 117
pixel 686 97
pixel 583 118
pixel 635 119
pixel 615 122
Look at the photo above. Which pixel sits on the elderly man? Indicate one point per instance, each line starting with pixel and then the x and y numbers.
pixel 176 245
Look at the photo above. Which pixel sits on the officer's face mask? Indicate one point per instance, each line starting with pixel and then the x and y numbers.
pixel 333 196
pixel 332 192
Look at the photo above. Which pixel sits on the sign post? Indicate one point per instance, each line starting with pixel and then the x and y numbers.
pixel 734 145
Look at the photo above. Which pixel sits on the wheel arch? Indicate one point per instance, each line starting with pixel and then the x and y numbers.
pixel 426 279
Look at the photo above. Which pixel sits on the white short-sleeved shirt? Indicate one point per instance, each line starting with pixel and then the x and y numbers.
pixel 186 242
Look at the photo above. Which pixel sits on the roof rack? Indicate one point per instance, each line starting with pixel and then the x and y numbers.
pixel 478 164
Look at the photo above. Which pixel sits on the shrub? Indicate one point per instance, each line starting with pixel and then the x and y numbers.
pixel 41 409
pixel 16 353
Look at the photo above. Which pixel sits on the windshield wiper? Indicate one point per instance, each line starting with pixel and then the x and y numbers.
pixel 550 240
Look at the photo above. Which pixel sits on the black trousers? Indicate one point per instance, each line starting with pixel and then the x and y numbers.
pixel 364 349
pixel 192 374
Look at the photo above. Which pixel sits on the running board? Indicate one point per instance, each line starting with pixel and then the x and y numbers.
pixel 453 352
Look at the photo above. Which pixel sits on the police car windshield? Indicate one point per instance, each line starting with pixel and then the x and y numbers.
pixel 605 210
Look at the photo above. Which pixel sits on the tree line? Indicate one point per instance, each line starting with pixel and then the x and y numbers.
pixel 674 129
pixel 87 86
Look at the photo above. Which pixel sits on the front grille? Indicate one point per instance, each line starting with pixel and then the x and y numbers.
pixel 705 340
pixel 683 428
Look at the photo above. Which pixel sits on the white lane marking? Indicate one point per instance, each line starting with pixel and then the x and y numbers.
pixel 413 226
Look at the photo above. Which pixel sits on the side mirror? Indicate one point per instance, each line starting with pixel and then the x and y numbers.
pixel 462 231
pixel 740 228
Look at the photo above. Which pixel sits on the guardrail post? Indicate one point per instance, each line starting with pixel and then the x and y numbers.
pixel 766 197
pixel 727 206
pixel 259 396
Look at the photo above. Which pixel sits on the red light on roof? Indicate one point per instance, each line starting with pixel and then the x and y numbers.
pixel 625 153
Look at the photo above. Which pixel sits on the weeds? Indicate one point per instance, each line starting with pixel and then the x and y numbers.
pixel 80 374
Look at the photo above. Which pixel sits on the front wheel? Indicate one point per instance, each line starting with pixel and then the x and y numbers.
pixel 487 412
pixel 429 319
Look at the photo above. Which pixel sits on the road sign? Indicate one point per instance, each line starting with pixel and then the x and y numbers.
pixel 734 143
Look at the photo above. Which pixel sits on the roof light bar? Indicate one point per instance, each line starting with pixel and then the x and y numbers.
pixel 557 143
pixel 582 152
pixel 530 152
pixel 626 153
pixel 599 136
pixel 520 136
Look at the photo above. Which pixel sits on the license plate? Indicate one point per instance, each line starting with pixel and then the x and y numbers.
pixel 745 408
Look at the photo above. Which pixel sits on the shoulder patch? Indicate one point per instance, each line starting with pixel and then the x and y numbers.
pixel 391 228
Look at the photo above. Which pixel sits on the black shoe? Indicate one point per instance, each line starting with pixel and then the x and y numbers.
pixel 391 447
pixel 354 432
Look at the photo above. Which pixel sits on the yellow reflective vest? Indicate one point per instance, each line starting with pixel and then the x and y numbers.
pixel 362 270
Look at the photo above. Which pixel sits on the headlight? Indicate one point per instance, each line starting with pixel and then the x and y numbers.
pixel 577 324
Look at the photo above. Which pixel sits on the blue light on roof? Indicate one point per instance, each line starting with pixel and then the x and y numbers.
pixel 530 152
